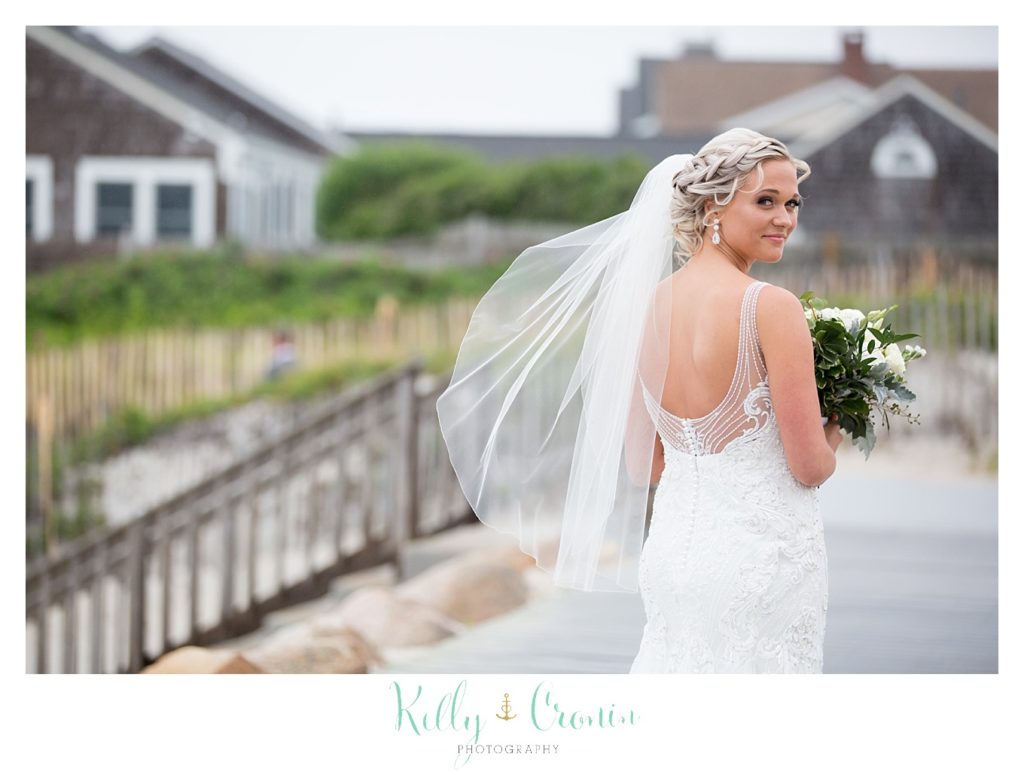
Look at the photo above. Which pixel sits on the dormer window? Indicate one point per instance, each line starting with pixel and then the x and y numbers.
pixel 903 153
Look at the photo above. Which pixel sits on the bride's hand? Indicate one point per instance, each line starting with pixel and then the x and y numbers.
pixel 833 435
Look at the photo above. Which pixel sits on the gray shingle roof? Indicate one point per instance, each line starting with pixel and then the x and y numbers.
pixel 250 113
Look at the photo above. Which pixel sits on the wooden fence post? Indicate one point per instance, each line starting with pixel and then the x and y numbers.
pixel 227 591
pixel 407 527
pixel 137 595
pixel 44 447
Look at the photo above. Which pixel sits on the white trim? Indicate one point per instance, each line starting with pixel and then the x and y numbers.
pixel 887 94
pixel 39 169
pixel 145 173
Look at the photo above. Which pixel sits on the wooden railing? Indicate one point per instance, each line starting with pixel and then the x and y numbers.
pixel 353 481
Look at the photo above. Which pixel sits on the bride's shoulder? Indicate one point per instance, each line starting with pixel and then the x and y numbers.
pixel 778 296
pixel 779 311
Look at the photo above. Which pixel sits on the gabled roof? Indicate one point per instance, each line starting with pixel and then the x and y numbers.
pixel 884 96
pixel 110 66
pixel 170 88
pixel 185 69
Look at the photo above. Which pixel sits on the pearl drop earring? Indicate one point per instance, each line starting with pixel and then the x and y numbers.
pixel 716 237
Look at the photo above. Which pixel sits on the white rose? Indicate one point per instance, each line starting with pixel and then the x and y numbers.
pixel 828 313
pixel 808 313
pixel 894 358
pixel 852 318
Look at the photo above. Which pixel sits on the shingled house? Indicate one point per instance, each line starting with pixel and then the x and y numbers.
pixel 907 168
pixel 133 149
pixel 899 156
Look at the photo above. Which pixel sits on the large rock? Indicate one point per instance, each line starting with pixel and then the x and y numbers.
pixel 472 588
pixel 386 619
pixel 302 650
pixel 428 608
pixel 195 659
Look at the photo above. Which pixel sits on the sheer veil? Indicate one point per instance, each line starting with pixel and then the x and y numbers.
pixel 544 418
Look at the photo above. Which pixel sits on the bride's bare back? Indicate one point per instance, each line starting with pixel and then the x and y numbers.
pixel 704 341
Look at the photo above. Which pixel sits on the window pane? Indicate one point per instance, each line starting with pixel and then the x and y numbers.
pixel 28 208
pixel 113 208
pixel 174 211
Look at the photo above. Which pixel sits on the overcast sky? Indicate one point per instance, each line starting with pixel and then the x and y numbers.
pixel 521 80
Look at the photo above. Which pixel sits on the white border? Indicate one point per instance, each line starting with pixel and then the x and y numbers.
pixel 834 724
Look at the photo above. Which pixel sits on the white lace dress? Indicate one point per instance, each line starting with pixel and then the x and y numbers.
pixel 733 574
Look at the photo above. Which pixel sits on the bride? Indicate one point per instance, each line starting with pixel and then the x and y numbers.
pixel 638 352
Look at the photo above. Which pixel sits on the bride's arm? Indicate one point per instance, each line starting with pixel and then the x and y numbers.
pixel 658 464
pixel 789 356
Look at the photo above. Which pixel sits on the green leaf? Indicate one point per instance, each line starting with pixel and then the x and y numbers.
pixel 903 392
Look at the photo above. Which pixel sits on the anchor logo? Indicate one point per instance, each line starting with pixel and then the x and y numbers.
pixel 506 706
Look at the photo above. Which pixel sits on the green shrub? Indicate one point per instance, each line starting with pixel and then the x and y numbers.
pixel 201 290
pixel 358 195
pixel 402 189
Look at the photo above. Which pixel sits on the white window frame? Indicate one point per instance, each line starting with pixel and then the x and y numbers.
pixel 39 169
pixel 145 173
pixel 904 138
pixel 253 169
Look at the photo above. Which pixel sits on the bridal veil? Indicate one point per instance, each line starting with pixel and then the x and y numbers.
pixel 544 418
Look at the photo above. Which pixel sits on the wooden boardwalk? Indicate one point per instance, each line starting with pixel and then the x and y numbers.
pixel 912 589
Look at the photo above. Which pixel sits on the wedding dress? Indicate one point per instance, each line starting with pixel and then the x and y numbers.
pixel 733 574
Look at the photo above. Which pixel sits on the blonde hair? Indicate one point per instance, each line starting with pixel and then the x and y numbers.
pixel 717 171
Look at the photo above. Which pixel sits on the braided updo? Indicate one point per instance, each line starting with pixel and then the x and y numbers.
pixel 717 171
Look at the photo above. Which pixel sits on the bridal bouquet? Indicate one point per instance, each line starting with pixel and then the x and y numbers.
pixel 859 367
